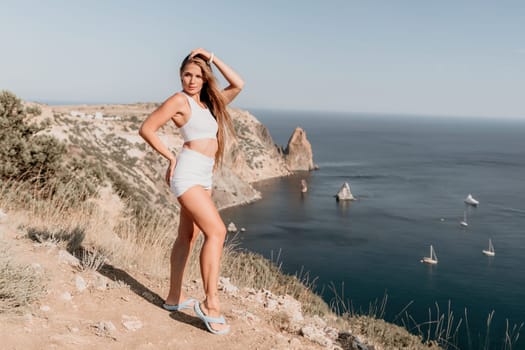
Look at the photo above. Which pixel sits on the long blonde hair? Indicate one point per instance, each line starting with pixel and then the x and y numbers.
pixel 212 97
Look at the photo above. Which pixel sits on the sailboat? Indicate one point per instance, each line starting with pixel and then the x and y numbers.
pixel 490 251
pixel 433 259
pixel 464 222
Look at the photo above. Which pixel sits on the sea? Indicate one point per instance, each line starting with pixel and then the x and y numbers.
pixel 410 175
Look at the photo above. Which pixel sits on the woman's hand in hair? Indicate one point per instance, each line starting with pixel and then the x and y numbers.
pixel 236 82
pixel 201 52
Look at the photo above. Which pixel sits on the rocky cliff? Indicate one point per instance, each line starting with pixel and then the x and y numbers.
pixel 251 156
pixel 298 153
pixel 105 137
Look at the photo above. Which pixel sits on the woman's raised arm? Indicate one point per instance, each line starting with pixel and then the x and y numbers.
pixel 235 80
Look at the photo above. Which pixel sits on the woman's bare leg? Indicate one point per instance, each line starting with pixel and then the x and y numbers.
pixel 197 201
pixel 180 253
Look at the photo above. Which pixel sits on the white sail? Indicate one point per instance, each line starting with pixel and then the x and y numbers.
pixel 432 259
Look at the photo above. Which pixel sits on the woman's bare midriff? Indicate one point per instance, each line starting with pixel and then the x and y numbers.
pixel 207 147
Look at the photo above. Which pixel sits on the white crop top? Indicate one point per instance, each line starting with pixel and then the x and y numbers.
pixel 201 125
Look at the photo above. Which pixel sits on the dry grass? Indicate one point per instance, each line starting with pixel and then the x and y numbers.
pixel 371 324
pixel 19 285
pixel 142 244
pixel 387 335
pixel 248 269
pixel 88 231
pixel 442 330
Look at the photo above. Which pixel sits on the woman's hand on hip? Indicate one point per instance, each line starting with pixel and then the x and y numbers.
pixel 169 172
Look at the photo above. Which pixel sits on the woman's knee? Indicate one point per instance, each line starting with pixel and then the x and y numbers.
pixel 217 233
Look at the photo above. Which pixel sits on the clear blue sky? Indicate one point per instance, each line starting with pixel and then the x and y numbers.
pixel 447 57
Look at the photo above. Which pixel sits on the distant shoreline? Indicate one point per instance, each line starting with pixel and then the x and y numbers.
pixel 294 111
pixel 83 103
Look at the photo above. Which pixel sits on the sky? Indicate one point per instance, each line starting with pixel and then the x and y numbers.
pixel 447 57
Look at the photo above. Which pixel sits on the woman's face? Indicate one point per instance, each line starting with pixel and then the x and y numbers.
pixel 192 79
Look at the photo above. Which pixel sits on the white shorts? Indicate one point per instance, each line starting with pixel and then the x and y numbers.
pixel 192 169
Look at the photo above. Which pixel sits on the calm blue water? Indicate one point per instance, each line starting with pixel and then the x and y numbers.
pixel 410 175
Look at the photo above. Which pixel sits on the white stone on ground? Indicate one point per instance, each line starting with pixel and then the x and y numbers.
pixel 66 258
pixel 66 296
pixel 226 286
pixel 131 323
pixel 80 283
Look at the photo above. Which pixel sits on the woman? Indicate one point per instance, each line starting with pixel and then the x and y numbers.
pixel 200 113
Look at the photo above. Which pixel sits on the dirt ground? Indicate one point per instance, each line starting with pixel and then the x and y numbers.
pixel 117 309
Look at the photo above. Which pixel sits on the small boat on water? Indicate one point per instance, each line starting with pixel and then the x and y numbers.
pixel 471 201
pixel 490 251
pixel 432 259
pixel 464 222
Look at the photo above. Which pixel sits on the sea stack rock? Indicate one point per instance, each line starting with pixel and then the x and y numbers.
pixel 471 201
pixel 298 152
pixel 344 193
pixel 232 227
pixel 304 186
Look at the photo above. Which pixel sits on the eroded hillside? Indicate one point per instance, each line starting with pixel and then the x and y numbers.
pixel 105 140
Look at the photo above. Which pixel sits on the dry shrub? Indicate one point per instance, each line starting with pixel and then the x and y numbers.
pixel 92 260
pixel 19 284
